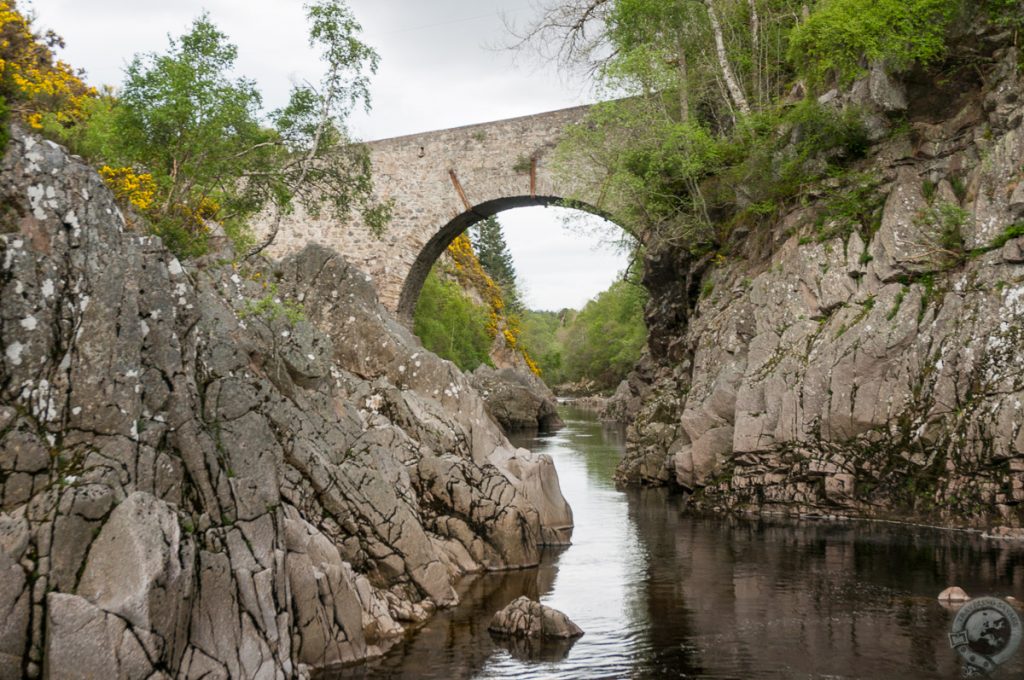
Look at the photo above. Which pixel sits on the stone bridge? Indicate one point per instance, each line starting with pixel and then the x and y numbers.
pixel 443 182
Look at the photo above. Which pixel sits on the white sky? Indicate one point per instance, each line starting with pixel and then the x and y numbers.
pixel 440 67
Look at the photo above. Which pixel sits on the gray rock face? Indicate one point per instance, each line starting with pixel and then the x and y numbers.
pixel 873 376
pixel 193 485
pixel 518 401
pixel 524 617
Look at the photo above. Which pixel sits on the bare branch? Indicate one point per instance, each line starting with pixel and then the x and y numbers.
pixel 571 33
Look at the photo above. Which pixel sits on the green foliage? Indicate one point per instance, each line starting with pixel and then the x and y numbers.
pixel 523 165
pixel 492 252
pixel 1006 13
pixel 1008 234
pixel 840 35
pixel 320 166
pixel 542 335
pixel 451 325
pixel 855 204
pixel 606 338
pixel 272 307
pixel 199 134
pixel 679 181
pixel 197 131
pixel 651 167
pixel 602 342
pixel 1011 232
pixel 97 138
pixel 777 154
pixel 896 304
pixel 944 224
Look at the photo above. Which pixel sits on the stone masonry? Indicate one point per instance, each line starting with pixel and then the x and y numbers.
pixel 441 183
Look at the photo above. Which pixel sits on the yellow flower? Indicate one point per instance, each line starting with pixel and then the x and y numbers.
pixel 137 189
pixel 36 84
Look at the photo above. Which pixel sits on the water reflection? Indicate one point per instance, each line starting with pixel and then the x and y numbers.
pixel 663 594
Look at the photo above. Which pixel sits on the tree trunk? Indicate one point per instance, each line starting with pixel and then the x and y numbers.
pixel 723 61
pixel 310 157
pixel 684 86
pixel 755 40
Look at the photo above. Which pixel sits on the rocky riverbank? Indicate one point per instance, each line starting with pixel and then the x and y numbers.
pixel 868 371
pixel 212 470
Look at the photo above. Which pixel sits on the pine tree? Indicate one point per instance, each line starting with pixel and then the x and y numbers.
pixel 492 251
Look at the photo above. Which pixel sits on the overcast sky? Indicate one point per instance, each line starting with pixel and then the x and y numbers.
pixel 441 66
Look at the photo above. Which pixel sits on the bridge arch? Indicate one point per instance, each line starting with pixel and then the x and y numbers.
pixel 439 242
pixel 439 184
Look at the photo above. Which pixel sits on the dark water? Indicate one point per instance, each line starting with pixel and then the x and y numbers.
pixel 663 594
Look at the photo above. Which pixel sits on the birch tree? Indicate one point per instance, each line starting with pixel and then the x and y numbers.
pixel 324 168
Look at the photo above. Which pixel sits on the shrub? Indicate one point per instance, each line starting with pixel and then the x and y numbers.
pixel 840 35
pixel 38 87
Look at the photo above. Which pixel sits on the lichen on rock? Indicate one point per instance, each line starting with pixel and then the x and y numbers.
pixel 195 485
pixel 872 374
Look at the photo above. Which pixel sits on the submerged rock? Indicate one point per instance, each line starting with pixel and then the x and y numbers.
pixel 524 617
pixel 202 475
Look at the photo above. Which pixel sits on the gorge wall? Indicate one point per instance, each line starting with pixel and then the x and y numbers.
pixel 217 471
pixel 875 373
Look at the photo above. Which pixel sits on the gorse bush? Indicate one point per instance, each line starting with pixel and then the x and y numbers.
pixel 38 87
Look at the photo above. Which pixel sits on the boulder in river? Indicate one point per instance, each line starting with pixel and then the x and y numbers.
pixel 517 400
pixel 524 617
pixel 954 594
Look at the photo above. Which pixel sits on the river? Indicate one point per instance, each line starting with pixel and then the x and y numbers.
pixel 664 594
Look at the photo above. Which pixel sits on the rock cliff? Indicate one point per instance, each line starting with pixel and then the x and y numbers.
pixel 874 370
pixel 214 471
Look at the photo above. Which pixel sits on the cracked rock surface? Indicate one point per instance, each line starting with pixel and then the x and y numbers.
pixel 196 483
pixel 874 375
pixel 517 399
pixel 524 617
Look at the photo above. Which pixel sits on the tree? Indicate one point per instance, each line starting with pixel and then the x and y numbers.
pixel 652 44
pixel 197 132
pixel 841 35
pixel 182 122
pixel 492 251
pixel 607 337
pixel 450 325
pixel 571 32
pixel 324 167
